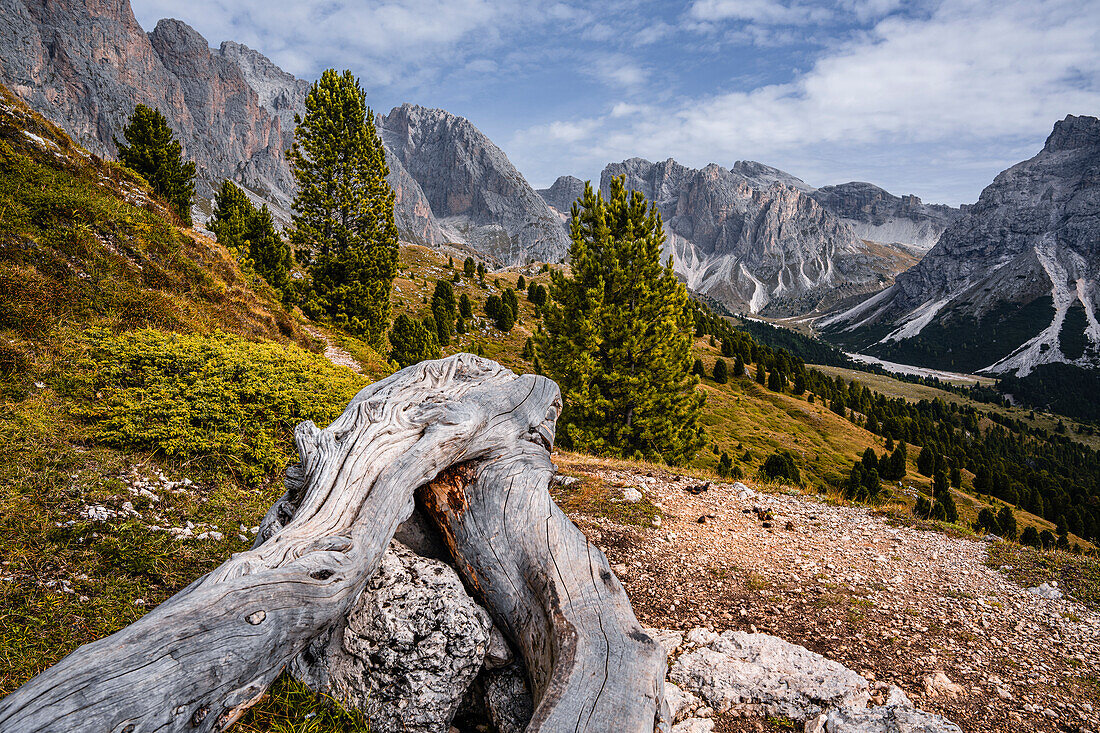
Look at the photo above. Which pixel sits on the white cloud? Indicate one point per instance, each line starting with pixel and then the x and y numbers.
pixel 973 81
pixel 758 11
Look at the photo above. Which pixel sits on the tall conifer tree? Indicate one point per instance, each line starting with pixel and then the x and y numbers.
pixel 155 154
pixel 344 207
pixel 618 336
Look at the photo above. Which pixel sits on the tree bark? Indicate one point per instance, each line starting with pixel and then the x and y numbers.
pixel 202 657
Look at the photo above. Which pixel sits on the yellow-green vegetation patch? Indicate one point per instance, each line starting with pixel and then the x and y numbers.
pixel 291 707
pixel 92 537
pixel 219 400
pixel 595 497
pixel 1077 575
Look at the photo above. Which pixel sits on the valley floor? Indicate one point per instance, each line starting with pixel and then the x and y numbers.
pixel 894 603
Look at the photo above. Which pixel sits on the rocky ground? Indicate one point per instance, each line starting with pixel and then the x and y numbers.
pixel 901 606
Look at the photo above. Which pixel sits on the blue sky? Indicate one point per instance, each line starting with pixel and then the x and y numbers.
pixel 931 98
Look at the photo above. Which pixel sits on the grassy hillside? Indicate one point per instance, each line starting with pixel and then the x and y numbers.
pixel 148 389
pixel 742 418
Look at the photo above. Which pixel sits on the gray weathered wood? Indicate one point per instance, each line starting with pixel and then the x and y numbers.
pixel 198 660
pixel 591 666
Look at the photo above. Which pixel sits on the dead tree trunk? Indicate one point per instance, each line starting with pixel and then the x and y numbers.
pixel 591 665
pixel 202 657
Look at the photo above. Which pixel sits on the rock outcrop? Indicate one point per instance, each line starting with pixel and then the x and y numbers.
pixel 1012 284
pixel 410 648
pixel 765 675
pixel 561 195
pixel 753 239
pixel 759 674
pixel 474 191
pixel 878 215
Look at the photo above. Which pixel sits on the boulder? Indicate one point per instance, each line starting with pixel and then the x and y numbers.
pixel 896 716
pixel 762 674
pixel 411 647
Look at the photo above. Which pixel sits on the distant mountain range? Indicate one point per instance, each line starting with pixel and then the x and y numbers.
pixel 1012 284
pixel 752 237
pixel 758 239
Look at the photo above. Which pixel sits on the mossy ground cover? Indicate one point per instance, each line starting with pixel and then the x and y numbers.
pixel 1078 575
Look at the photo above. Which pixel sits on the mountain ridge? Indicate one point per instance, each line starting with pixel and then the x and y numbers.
pixel 1011 285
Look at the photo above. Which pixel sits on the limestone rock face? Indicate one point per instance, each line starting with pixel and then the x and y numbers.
pixel 411 647
pixel 472 188
pixel 1012 283
pixel 880 216
pixel 562 194
pixel 767 676
pixel 754 239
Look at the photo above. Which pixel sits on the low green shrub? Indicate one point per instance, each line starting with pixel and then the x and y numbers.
pixel 221 401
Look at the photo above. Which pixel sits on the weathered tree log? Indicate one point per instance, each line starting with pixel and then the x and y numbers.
pixel 591 665
pixel 202 657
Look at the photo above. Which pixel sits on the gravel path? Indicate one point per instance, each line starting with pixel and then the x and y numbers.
pixel 333 352
pixel 896 604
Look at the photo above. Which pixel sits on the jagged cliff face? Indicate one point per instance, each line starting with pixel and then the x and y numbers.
pixel 1012 284
pixel 86 65
pixel 473 189
pixel 752 237
pixel 877 215
pixel 562 194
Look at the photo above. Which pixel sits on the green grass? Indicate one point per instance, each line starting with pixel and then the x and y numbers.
pixel 599 498
pixel 1077 575
pixel 291 707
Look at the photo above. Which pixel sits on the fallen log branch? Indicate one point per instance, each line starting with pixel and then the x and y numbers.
pixel 202 657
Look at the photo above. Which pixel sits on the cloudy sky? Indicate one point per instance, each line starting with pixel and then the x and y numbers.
pixel 932 98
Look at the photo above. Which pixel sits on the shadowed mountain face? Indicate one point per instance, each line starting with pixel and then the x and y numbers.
pixel 1012 284
pixel 475 192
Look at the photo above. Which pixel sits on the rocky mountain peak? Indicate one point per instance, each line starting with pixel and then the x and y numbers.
pixel 472 187
pixel 1011 285
pixel 762 176
pixel 1074 132
pixel 752 237
pixel 563 193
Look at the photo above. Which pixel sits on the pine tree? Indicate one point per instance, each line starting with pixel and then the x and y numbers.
pixel 926 461
pixel 465 307
pixel 761 378
pixel 412 341
pixel 443 310
pixel 344 207
pixel 1030 537
pixel 521 284
pixel 775 381
pixel 738 366
pixel 618 335
pixel 698 369
pixel 251 235
pixel 468 267
pixel 725 465
pixel 721 371
pixel 1006 520
pixel 155 155
pixel 800 382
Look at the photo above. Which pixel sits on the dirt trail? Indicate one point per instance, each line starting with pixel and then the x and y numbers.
pixel 334 353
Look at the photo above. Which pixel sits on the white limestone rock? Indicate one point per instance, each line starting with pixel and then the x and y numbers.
pixel 412 645
pixel 765 675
